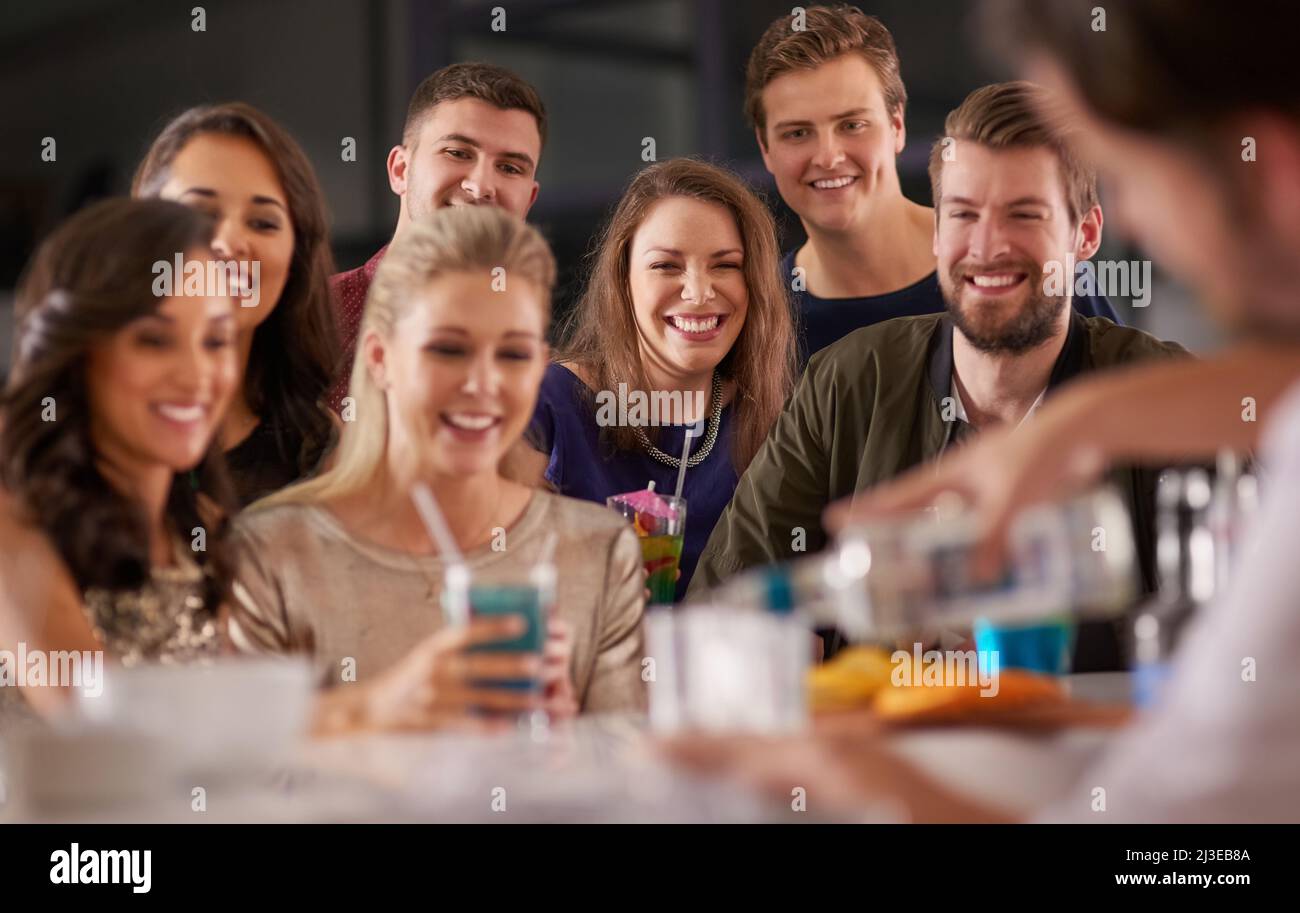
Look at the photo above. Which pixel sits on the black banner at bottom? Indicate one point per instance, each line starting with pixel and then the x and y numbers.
pixel 330 862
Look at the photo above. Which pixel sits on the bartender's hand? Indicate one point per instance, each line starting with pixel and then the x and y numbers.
pixel 998 474
pixel 842 779
pixel 436 685
pixel 560 698
pixel 774 766
pixel 1174 411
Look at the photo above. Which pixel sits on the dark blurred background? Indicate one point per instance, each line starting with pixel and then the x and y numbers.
pixel 102 76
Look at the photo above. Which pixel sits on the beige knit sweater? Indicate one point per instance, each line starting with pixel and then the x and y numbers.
pixel 305 584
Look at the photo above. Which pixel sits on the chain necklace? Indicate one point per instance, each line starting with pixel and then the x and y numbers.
pixel 434 593
pixel 431 595
pixel 710 436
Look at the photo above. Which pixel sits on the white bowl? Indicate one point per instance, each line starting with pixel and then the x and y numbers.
pixel 235 716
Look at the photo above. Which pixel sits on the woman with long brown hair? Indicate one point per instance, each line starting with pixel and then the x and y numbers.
pixel 114 500
pixel 239 166
pixel 107 473
pixel 684 325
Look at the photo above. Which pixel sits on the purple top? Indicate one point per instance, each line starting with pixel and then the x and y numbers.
pixel 583 466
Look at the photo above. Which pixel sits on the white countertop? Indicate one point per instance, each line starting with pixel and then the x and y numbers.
pixel 594 769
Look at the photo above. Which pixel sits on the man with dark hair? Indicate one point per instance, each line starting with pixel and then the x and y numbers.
pixel 1014 206
pixel 473 136
pixel 826 101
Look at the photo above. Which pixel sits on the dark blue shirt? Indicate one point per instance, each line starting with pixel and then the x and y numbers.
pixel 823 321
pixel 583 466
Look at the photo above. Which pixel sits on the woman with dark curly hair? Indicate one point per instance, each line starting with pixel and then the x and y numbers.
pixel 236 164
pixel 112 497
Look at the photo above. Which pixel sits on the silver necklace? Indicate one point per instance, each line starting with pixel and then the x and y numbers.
pixel 710 435
pixel 434 592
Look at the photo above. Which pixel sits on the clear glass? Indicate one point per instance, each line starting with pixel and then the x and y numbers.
pixel 504 589
pixel 724 669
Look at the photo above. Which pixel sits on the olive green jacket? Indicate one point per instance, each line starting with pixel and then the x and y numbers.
pixel 870 407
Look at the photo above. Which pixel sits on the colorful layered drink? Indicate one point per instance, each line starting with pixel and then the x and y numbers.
pixel 660 523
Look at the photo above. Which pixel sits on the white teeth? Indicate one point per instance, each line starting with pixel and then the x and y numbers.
pixel 470 422
pixel 994 281
pixel 832 183
pixel 690 325
pixel 180 413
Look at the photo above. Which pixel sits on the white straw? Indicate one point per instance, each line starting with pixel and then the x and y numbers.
pixel 548 548
pixel 686 451
pixel 427 507
pixel 543 575
pixel 457 573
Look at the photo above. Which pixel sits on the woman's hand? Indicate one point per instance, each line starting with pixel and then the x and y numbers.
pixel 437 684
pixel 560 698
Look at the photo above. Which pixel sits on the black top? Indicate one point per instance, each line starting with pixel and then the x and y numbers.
pixel 260 464
pixel 581 465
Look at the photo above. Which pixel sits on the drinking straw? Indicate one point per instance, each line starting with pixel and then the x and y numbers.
pixel 686 452
pixel 543 575
pixel 427 507
pixel 436 525
pixel 548 548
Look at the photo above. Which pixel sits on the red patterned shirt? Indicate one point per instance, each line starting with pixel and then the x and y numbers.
pixel 350 290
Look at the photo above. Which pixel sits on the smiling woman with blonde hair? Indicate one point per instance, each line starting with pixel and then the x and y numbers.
pixel 451 352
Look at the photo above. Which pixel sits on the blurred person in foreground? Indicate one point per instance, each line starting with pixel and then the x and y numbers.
pixel 1205 165
pixel 1013 208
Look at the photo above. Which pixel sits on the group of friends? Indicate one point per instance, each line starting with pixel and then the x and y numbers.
pixel 183 477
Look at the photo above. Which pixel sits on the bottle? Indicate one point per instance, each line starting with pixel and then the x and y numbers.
pixel 886 580
pixel 1221 513
pixel 1232 506
pixel 1187 568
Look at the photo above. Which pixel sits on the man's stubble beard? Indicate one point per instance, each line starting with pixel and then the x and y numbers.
pixel 1034 323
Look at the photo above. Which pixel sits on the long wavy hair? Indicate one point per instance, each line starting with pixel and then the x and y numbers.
pixel 601 335
pixel 295 352
pixel 459 239
pixel 91 278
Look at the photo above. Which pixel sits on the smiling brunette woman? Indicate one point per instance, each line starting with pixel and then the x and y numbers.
pixel 684 304
pixel 241 168
pixel 113 399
